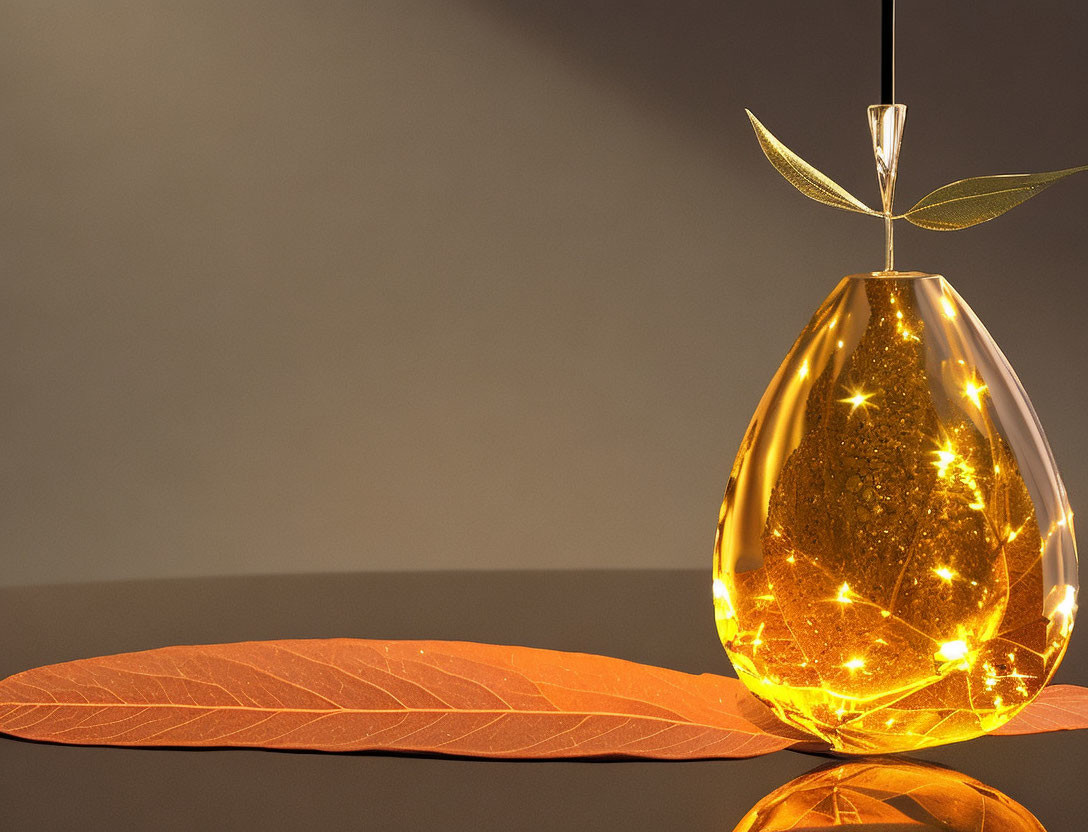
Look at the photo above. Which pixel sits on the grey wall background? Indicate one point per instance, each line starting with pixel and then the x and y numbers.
pixel 309 286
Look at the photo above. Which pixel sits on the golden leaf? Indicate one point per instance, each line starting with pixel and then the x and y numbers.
pixel 968 202
pixel 803 176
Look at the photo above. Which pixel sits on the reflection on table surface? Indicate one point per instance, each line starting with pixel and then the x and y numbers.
pixel 657 617
pixel 888 794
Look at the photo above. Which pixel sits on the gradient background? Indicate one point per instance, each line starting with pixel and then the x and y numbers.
pixel 316 286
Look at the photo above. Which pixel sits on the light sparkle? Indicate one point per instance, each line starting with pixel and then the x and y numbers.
pixel 858 398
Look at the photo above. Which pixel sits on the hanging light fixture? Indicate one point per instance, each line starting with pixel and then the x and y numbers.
pixel 895 564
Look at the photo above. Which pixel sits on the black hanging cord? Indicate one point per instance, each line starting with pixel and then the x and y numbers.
pixel 887 52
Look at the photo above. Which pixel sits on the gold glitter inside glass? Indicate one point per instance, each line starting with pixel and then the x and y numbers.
pixel 895 564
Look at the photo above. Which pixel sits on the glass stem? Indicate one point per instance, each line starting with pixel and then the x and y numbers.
pixel 889 251
pixel 886 125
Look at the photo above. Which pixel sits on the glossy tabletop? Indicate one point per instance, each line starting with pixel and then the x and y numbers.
pixel 658 617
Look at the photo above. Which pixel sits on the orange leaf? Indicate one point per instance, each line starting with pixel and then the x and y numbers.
pixel 410 696
pixel 1057 708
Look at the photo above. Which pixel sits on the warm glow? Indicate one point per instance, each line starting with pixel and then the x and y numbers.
pixel 974 392
pixel 758 639
pixel 944 573
pixel 844 595
pixel 858 399
pixel 951 651
pixel 948 309
pixel 945 457
pixel 803 372
pixel 1066 609
pixel 1069 603
pixel 854 664
pixel 903 329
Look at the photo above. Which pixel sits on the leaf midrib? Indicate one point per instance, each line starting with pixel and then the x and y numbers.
pixel 328 711
pixel 965 197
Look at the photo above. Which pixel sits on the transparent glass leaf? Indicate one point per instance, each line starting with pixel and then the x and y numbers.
pixel 895 564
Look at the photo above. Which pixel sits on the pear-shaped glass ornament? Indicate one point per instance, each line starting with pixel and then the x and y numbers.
pixel 895 558
pixel 895 564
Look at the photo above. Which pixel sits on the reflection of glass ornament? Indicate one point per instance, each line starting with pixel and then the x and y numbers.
pixel 895 563
pixel 892 794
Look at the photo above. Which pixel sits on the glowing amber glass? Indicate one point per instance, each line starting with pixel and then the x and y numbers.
pixel 891 794
pixel 895 564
